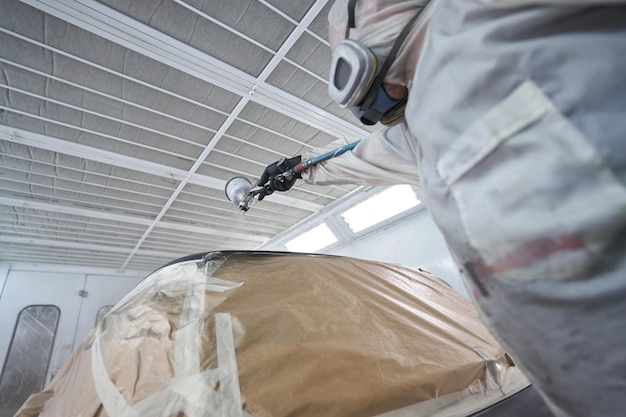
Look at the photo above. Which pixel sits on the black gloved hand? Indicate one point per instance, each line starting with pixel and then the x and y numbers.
pixel 272 181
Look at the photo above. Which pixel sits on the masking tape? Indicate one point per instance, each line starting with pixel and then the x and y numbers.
pixel 229 375
pixel 193 394
pixel 220 285
pixel 186 359
pixel 481 351
pixel 492 380
pixel 171 277
pixel 112 400
pixel 189 391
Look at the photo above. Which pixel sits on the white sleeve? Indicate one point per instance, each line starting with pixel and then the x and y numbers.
pixel 387 157
pixel 503 4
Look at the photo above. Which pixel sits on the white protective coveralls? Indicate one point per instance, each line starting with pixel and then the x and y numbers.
pixel 516 130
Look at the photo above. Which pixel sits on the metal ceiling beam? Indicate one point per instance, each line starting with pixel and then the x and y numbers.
pixel 74 245
pixel 74 211
pixel 94 270
pixel 129 33
pixel 295 22
pixel 77 211
pixel 125 31
pixel 101 115
pixel 107 70
pixel 108 96
pixel 291 40
pixel 135 164
pixel 179 188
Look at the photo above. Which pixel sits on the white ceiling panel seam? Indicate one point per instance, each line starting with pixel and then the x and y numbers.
pixel 281 135
pixel 233 223
pixel 78 150
pixel 49 219
pixel 237 227
pixel 135 125
pixel 306 70
pixel 47 256
pixel 104 177
pixel 99 114
pixel 87 213
pixel 295 22
pixel 224 26
pixel 136 36
pixel 168 82
pixel 281 53
pixel 263 148
pixel 96 133
pixel 85 182
pixel 109 96
pixel 176 236
pixel 111 71
pixel 73 245
pixel 99 155
pixel 94 233
pixel 130 198
pixel 70 236
pixel 57 189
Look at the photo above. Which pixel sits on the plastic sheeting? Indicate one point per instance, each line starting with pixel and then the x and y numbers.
pixel 268 335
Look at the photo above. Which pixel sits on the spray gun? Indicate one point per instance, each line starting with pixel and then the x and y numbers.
pixel 241 193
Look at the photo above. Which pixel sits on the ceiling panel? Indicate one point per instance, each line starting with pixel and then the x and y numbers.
pixel 120 123
pixel 210 26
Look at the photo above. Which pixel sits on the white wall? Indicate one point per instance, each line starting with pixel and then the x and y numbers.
pixel 411 238
pixel 78 291
pixel 413 241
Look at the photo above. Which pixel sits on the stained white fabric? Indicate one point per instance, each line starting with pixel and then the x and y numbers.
pixel 383 158
pixel 515 124
pixel 518 3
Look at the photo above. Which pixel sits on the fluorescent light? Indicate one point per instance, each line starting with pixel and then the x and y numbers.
pixel 313 240
pixel 380 207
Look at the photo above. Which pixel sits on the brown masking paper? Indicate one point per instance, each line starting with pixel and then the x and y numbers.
pixel 311 335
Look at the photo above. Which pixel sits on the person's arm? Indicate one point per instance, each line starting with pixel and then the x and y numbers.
pixel 503 4
pixel 387 157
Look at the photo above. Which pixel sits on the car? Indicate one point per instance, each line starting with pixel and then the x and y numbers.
pixel 271 334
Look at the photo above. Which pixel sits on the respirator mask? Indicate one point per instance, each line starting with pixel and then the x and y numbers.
pixel 356 81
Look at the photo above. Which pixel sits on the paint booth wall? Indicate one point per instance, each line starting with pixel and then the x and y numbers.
pixel 45 312
pixel 413 241
pixel 408 238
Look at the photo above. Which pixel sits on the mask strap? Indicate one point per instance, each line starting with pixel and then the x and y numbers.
pixel 378 81
pixel 351 19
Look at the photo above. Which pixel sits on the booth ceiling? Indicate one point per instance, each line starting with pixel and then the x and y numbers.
pixel 121 121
